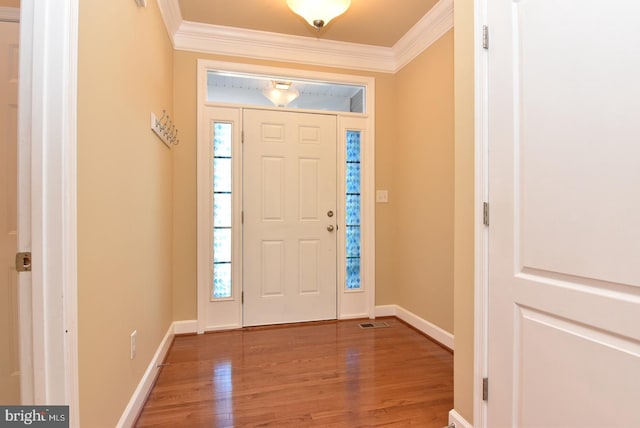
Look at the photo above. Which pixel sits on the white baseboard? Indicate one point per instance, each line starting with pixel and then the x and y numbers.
pixel 353 316
pixel 185 327
pixel 222 327
pixel 139 396
pixel 443 337
pixel 386 311
pixel 459 421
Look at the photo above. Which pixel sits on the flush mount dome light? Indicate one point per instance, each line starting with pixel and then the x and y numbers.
pixel 281 93
pixel 318 13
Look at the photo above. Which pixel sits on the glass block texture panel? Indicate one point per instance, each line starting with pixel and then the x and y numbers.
pixel 352 210
pixel 222 281
pixel 222 175
pixel 222 210
pixel 353 273
pixel 222 140
pixel 222 246
pixel 353 241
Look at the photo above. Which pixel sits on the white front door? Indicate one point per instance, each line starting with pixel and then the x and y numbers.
pixel 9 314
pixel 289 205
pixel 564 238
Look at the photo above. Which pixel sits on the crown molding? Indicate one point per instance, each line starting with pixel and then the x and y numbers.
pixel 9 14
pixel 171 15
pixel 427 31
pixel 215 39
pixel 230 41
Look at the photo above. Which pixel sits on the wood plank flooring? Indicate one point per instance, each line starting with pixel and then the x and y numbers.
pixel 328 374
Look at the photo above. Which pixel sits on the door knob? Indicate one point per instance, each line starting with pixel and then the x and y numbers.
pixel 330 228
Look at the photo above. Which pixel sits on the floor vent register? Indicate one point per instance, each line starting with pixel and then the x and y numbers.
pixel 373 324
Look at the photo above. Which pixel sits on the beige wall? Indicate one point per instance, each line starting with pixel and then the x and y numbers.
pixel 184 250
pixel 414 236
pixel 423 178
pixel 124 201
pixel 9 3
pixel 464 209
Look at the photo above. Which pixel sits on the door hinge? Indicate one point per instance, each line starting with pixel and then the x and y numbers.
pixel 485 37
pixel 485 389
pixel 242 217
pixel 242 297
pixel 242 137
pixel 23 262
pixel 485 213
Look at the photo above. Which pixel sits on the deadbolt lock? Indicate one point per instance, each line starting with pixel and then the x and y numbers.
pixel 329 213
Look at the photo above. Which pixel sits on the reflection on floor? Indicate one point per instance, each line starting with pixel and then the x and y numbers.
pixel 326 374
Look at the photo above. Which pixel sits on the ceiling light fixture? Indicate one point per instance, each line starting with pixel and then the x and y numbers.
pixel 318 13
pixel 281 93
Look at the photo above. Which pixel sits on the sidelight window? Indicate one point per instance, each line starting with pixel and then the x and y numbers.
pixel 222 210
pixel 352 210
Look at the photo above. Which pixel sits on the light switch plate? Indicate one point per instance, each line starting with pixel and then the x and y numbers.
pixel 382 196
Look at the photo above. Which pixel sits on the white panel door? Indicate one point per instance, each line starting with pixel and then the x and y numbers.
pixel 564 185
pixel 289 242
pixel 9 329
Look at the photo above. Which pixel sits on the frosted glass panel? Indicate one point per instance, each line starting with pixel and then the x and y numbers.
pixel 222 280
pixel 353 146
pixel 222 210
pixel 222 175
pixel 353 241
pixel 222 246
pixel 352 211
pixel 353 178
pixel 222 140
pixel 353 273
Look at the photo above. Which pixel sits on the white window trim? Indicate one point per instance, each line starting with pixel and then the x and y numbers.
pixel 351 304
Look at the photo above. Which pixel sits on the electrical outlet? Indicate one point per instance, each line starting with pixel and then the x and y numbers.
pixel 134 336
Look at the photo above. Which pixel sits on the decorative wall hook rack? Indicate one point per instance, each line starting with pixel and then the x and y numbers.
pixel 165 129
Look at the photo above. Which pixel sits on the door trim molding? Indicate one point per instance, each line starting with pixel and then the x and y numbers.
pixel 47 132
pixel 368 178
pixel 481 241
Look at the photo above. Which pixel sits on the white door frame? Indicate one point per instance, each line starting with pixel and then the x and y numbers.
pixel 481 250
pixel 47 153
pixel 345 121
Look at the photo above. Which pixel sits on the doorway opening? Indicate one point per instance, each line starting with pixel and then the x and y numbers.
pixel 227 287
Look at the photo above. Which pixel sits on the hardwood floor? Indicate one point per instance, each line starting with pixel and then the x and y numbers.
pixel 329 374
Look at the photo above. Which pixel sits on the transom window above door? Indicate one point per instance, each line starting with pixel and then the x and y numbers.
pixel 256 90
